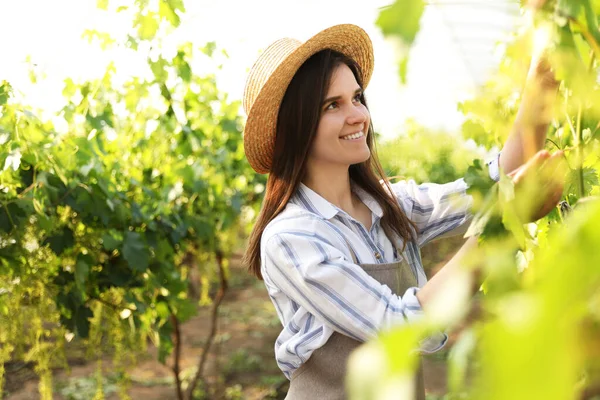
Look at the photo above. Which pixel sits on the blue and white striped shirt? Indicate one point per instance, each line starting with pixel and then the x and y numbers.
pixel 316 287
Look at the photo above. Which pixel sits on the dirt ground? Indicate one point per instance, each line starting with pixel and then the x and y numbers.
pixel 241 364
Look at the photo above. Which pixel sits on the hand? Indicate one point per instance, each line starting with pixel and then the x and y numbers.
pixel 539 184
pixel 541 72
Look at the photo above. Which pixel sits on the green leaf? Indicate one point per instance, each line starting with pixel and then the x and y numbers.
pixel 185 309
pixel 159 70
pixel 61 241
pixel 110 242
pixel 477 177
pixel 162 309
pixel 402 19
pixel 5 92
pixel 184 71
pixel 135 251
pixel 132 42
pixel 165 345
pixel 13 213
pixel 209 48
pixel 115 272
pixel 26 173
pixel 459 358
pixel 102 4
pixel 82 270
pixel 569 8
pixel 511 221
pixel 176 5
pixel 402 68
pixel 488 210
pixel 473 130
pixel 165 11
pixel 82 321
pixel 590 180
pixel 147 26
pixel 507 188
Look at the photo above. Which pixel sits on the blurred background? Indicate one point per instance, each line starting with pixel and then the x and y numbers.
pixel 127 199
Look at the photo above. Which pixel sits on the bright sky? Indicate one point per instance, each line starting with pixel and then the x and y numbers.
pixel 453 53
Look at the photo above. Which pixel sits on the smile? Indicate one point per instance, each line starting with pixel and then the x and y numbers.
pixel 353 136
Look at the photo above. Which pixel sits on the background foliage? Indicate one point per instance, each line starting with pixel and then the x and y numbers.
pixel 114 221
pixel 103 225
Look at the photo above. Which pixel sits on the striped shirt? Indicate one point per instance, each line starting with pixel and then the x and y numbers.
pixel 317 289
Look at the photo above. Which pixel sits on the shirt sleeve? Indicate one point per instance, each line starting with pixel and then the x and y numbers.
pixel 314 273
pixel 494 167
pixel 439 210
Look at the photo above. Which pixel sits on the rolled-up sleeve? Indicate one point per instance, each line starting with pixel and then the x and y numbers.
pixel 439 210
pixel 494 167
pixel 316 275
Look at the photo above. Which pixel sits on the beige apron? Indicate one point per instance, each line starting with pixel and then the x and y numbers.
pixel 322 376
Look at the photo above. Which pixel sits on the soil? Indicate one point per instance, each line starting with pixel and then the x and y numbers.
pixel 240 365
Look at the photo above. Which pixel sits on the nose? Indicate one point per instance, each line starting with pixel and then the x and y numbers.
pixel 357 115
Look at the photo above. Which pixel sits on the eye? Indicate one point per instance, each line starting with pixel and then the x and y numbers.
pixel 358 97
pixel 332 105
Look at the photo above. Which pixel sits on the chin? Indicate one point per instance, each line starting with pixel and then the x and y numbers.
pixel 362 159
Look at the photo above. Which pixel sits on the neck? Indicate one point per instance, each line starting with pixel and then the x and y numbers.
pixel 333 184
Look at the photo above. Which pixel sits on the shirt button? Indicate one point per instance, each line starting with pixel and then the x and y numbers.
pixel 377 255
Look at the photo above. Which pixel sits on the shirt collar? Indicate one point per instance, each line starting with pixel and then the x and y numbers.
pixel 369 201
pixel 314 202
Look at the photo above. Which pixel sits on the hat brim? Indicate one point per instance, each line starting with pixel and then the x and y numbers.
pixel 259 132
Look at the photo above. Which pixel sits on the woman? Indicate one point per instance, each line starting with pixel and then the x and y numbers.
pixel 336 244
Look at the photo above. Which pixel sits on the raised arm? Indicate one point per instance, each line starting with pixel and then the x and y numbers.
pixel 531 124
pixel 521 151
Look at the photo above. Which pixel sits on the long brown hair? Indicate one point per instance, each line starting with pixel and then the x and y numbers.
pixel 297 124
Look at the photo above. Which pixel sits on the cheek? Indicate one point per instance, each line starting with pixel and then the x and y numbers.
pixel 330 125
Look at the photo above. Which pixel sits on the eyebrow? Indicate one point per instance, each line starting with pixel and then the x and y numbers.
pixel 329 99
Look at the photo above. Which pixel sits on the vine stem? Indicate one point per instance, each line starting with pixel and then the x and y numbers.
pixel 5 206
pixel 213 323
pixel 115 307
pixel 579 137
pixel 176 370
pixel 579 145
pixel 29 188
pixel 587 35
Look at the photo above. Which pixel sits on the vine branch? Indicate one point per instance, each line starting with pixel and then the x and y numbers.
pixel 176 369
pixel 213 323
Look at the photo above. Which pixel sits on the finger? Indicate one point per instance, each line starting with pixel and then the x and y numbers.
pixel 538 159
pixel 540 156
pixel 555 168
pixel 533 163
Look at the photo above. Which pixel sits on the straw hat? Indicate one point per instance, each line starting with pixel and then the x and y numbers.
pixel 272 73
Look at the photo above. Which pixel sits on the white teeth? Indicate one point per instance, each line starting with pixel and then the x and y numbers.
pixel 353 136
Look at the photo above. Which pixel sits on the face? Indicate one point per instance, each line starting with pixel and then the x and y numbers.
pixel 343 125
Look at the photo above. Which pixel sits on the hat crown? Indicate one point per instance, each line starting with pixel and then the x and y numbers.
pixel 264 67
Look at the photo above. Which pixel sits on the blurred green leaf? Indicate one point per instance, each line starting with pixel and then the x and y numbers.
pixel 5 92
pixel 64 239
pixel 402 19
pixel 147 25
pixel 102 4
pixel 135 251
pixel 82 321
pixel 569 8
pixel 82 269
